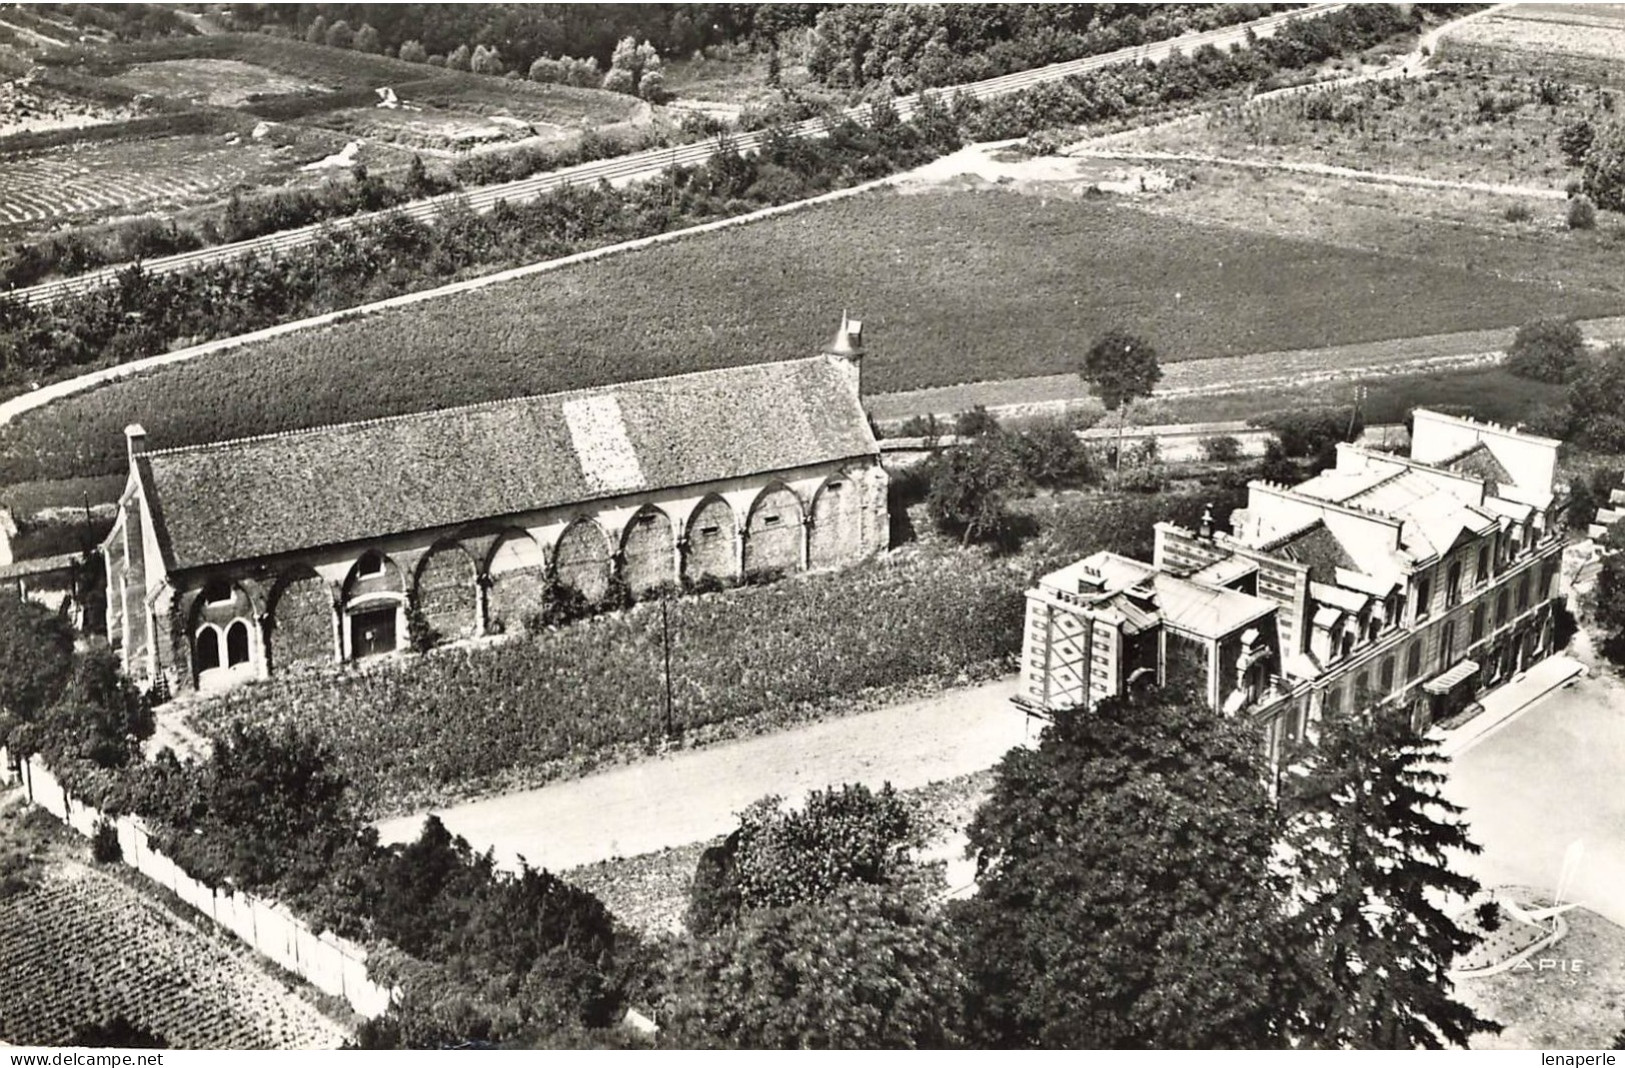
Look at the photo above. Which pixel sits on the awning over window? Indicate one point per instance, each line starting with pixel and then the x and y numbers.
pixel 1451 679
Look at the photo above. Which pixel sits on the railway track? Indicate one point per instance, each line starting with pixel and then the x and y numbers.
pixel 651 162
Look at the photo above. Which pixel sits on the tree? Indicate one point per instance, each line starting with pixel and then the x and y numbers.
pixel 1609 594
pixel 414 52
pixel 1575 140
pixel 339 35
pixel 1597 401
pixel 1119 369
pixel 778 857
pixel 628 65
pixel 1547 350
pixel 36 661
pixel 1603 176
pixel 1125 897
pixel 486 60
pixel 316 32
pixel 864 969
pixel 100 716
pixel 1369 837
pixel 967 487
pixel 367 39
pixel 459 58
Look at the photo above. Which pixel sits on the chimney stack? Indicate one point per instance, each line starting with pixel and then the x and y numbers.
pixel 135 438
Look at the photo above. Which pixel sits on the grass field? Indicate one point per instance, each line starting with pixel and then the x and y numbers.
pixel 1570 40
pixel 955 288
pixel 1464 123
pixel 216 82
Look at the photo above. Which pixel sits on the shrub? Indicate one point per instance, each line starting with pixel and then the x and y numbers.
pixel 1518 213
pixel 1221 449
pixel 928 427
pixel 1546 350
pixel 1575 141
pixel 104 843
pixel 1603 177
pixel 713 897
pixel 975 423
pixel 1311 431
pixel 1582 214
pixel 843 835
pixel 1050 455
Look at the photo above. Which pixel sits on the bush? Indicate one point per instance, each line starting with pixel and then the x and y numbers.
pixel 104 843
pixel 1050 455
pixel 1575 141
pixel 1546 350
pixel 1221 449
pixel 1518 213
pixel 975 423
pixel 1603 177
pixel 1311 431
pixel 843 835
pixel 928 427
pixel 1582 214
pixel 713 897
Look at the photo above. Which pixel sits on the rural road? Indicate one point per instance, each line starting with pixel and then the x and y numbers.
pixel 693 796
pixel 651 162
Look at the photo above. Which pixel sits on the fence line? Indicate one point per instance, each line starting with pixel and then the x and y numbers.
pixel 333 965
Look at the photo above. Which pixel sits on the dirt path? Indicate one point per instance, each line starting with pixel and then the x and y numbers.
pixel 1229 374
pixel 692 796
pixel 1326 170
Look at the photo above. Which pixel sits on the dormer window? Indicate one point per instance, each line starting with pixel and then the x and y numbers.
pixel 371 566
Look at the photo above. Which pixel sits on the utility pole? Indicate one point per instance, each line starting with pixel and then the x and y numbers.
pixel 665 641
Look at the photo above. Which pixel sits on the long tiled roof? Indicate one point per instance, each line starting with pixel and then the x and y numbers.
pixel 257 497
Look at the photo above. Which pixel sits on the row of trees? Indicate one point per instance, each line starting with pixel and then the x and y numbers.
pixel 142 314
pixel 524 33
pixel 920 46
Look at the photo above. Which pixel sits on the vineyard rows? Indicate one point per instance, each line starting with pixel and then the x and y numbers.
pixel 84 946
pixel 118 178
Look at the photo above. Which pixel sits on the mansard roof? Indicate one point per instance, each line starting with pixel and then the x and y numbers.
pixel 258 497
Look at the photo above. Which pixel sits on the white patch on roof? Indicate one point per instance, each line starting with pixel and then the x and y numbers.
pixel 608 461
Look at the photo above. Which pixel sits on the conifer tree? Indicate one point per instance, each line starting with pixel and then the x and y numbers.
pixel 1368 843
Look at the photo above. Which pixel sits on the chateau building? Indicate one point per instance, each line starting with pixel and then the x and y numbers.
pixel 1417 580
pixel 237 559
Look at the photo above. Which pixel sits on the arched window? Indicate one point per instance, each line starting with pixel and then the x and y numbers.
pixel 237 643
pixel 207 649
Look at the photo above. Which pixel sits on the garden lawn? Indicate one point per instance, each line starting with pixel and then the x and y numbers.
pixel 466 720
pixel 955 287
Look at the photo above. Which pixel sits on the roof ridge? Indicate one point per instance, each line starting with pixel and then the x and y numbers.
pixel 470 407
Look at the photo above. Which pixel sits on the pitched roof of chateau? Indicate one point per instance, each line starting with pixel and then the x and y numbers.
pixel 257 497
